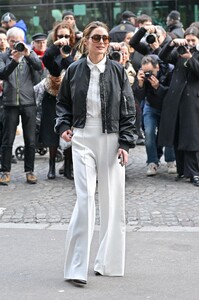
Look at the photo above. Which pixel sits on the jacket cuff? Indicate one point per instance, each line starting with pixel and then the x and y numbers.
pixel 124 146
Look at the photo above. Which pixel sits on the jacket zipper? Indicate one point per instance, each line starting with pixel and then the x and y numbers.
pixel 17 82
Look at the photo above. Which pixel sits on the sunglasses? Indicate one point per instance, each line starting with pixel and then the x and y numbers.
pixel 66 36
pixel 96 38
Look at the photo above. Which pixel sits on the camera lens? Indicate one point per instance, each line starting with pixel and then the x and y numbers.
pixel 19 47
pixel 148 74
pixel 116 55
pixel 151 38
pixel 66 49
pixel 182 50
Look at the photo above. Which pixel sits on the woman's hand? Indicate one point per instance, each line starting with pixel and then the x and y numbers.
pixel 61 42
pixel 67 135
pixel 178 42
pixel 122 156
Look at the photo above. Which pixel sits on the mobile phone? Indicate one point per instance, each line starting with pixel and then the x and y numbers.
pixel 121 162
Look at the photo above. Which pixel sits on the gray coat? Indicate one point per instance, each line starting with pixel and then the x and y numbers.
pixel 180 112
pixel 18 79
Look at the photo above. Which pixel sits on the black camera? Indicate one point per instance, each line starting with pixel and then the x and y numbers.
pixel 66 49
pixel 19 46
pixel 148 74
pixel 182 49
pixel 115 55
pixel 151 38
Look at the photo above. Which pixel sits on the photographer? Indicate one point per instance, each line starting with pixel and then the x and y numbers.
pixel 56 59
pixel 120 52
pixel 156 38
pixel 152 84
pixel 16 67
pixel 179 120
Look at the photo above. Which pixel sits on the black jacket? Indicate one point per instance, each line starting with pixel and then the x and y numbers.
pixel 176 30
pixel 117 101
pixel 142 47
pixel 117 33
pixel 54 62
pixel 152 96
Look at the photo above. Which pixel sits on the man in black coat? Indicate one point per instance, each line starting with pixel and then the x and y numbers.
pixel 127 24
pixel 179 119
pixel 174 26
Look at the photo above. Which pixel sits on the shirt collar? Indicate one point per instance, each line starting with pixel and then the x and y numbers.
pixel 100 65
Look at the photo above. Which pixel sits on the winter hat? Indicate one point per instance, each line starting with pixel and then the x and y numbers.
pixel 128 14
pixel 67 13
pixel 174 15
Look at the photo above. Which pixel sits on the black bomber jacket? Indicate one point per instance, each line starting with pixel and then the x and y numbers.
pixel 117 101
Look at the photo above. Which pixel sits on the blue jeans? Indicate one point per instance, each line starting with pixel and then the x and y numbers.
pixel 151 121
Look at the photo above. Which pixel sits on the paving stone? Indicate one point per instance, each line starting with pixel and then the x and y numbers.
pixel 150 201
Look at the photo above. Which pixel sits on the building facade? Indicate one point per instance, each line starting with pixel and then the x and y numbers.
pixel 39 15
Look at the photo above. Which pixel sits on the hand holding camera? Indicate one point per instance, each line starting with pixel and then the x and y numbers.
pixel 182 47
pixel 64 46
pixel 20 49
pixel 152 79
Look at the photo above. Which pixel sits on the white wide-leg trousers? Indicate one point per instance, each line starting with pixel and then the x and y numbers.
pixel 95 157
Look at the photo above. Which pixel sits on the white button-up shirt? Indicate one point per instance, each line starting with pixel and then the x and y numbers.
pixel 93 94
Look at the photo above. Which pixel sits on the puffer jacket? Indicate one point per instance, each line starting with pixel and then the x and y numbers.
pixel 18 79
pixel 117 101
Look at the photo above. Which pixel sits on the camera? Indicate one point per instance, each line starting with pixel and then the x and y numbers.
pixel 19 46
pixel 148 74
pixel 182 49
pixel 151 38
pixel 115 55
pixel 66 49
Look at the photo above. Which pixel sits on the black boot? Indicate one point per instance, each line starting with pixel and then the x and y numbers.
pixel 68 164
pixel 51 172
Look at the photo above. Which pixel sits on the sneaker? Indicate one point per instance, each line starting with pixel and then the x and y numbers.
pixel 171 167
pixel 152 169
pixel 5 178
pixel 31 178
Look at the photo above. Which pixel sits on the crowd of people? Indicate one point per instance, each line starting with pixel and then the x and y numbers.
pixel 30 79
pixel 101 93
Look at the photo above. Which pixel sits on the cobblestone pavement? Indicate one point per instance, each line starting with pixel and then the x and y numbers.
pixel 150 201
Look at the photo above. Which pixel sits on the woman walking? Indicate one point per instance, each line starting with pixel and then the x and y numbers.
pixel 96 112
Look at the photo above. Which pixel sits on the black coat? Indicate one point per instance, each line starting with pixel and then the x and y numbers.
pixel 180 112
pixel 117 33
pixel 176 30
pixel 143 47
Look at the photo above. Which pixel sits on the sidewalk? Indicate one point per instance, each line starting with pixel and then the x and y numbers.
pixel 162 217
pixel 159 266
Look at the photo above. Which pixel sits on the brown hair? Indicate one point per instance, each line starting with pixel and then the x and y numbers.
pixel 143 18
pixel 192 30
pixel 64 25
pixel 87 32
